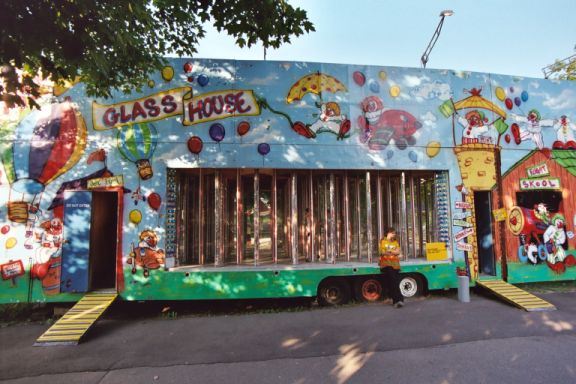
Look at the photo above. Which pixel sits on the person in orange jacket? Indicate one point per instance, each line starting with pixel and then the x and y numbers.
pixel 390 266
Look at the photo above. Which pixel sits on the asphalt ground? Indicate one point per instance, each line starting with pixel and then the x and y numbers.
pixel 434 339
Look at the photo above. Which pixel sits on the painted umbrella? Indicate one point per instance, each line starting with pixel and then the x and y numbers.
pixel 475 100
pixel 314 83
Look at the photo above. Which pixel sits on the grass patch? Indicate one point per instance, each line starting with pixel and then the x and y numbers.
pixel 11 314
pixel 549 287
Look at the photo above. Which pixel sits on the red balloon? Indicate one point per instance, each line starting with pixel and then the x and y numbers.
pixel 509 103
pixel 5 229
pixel 188 67
pixel 195 145
pixel 359 78
pixel 507 138
pixel 154 201
pixel 243 128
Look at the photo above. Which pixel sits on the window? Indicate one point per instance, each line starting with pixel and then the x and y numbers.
pixel 261 216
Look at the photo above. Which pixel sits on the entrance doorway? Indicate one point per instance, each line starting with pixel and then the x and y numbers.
pixel 91 237
pixel 103 240
pixel 484 237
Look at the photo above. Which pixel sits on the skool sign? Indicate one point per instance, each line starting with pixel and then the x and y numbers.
pixel 534 184
pixel 176 102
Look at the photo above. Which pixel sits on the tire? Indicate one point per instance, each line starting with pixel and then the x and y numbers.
pixel 368 289
pixel 411 285
pixel 334 291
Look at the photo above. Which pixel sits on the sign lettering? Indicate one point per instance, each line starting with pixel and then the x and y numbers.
pixel 539 184
pixel 538 170
pixel 220 105
pixel 463 205
pixel 463 234
pixel 151 108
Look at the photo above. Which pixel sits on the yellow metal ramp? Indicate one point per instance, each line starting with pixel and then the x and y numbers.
pixel 70 328
pixel 516 296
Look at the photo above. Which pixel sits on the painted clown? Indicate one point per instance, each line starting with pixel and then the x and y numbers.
pixel 533 128
pixel 475 128
pixel 554 238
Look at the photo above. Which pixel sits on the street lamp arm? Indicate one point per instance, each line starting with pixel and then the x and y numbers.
pixel 424 58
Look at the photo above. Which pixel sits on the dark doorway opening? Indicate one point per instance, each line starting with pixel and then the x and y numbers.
pixel 103 240
pixel 484 236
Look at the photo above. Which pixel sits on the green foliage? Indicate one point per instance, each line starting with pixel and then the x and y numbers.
pixel 563 69
pixel 115 45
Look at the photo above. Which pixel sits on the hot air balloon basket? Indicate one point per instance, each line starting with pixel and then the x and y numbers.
pixel 18 211
pixel 144 169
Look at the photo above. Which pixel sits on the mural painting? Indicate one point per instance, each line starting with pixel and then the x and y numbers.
pixel 500 138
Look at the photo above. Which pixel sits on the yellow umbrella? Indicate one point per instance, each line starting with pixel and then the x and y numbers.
pixel 314 83
pixel 477 101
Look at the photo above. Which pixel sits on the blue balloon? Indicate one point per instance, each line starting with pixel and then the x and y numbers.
pixel 203 80
pixel 263 149
pixel 413 156
pixel 217 132
pixel 517 101
pixel 389 154
pixel 524 96
pixel 374 86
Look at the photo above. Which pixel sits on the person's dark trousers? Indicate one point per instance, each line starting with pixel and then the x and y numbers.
pixel 392 283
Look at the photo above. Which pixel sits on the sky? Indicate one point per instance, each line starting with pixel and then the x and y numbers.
pixel 511 37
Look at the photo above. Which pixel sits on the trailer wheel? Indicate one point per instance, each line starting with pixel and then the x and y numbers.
pixel 368 289
pixel 411 285
pixel 333 292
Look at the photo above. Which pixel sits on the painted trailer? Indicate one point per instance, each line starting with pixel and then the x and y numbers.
pixel 227 179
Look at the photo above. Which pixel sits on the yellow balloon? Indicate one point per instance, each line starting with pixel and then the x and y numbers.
pixel 433 148
pixel 135 216
pixel 151 83
pixel 394 91
pixel 500 94
pixel 382 75
pixel 11 242
pixel 167 73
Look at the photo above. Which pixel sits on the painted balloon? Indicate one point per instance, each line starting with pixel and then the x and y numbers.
pixel 432 149
pixel 507 138
pixel 5 229
pixel 382 75
pixel 517 101
pixel 135 216
pixel 136 143
pixel 203 80
pixel 389 154
pixel 509 103
pixel 167 73
pixel 374 86
pixel 263 149
pixel 394 91
pixel 359 78
pixel 154 201
pixel 55 141
pixel 511 89
pixel 11 242
pixel 217 132
pixel 188 67
pixel 151 83
pixel 195 145
pixel 500 94
pixel 524 96
pixel 413 156
pixel 243 128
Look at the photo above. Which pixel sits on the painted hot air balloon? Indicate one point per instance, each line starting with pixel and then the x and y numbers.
pixel 43 146
pixel 136 143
